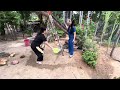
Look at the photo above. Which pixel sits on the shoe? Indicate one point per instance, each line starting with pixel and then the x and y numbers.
pixel 71 56
pixel 39 62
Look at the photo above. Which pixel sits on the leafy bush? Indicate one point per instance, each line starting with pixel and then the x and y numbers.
pixel 79 31
pixel 86 44
pixel 89 45
pixel 118 44
pixel 90 58
pixel 91 29
pixel 60 32
pixel 90 52
pixel 28 32
pixel 61 20
pixel 80 35
pixel 90 32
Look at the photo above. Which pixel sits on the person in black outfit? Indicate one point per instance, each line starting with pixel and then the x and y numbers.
pixel 37 42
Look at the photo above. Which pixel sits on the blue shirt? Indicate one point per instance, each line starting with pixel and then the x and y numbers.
pixel 71 32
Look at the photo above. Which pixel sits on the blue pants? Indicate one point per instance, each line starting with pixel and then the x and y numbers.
pixel 71 46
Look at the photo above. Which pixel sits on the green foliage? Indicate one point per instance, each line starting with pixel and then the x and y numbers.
pixel 76 18
pixel 59 16
pixel 80 35
pixel 96 15
pixel 116 18
pixel 25 15
pixel 92 29
pixel 107 16
pixel 10 17
pixel 61 20
pixel 60 32
pixel 90 52
pixel 106 43
pixel 119 44
pixel 79 31
pixel 90 58
pixel 28 32
pixel 89 45
pixel 33 17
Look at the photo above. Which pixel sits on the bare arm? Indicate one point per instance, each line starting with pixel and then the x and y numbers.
pixel 40 50
pixel 48 45
pixel 74 35
pixel 66 25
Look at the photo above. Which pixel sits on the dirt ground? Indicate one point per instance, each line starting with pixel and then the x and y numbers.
pixel 55 66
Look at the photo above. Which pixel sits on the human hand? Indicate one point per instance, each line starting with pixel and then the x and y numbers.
pixel 73 40
pixel 42 52
pixel 52 48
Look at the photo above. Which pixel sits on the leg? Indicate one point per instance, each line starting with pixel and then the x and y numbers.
pixel 71 47
pixel 39 54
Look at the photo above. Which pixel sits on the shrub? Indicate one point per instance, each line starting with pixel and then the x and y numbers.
pixel 90 52
pixel 90 58
pixel 60 32
pixel 89 45
pixel 80 35
pixel 28 32
pixel 61 20
pixel 91 30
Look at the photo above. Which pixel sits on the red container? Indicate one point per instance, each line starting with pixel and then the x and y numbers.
pixel 27 42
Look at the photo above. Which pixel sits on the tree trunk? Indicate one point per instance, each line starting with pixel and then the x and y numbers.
pixel 8 31
pixel 115 43
pixel 107 17
pixel 80 17
pixel 11 30
pixel 56 22
pixel 64 16
pixel 41 19
pixel 22 28
pixel 113 30
pixel 71 12
pixel 88 21
pixel 2 29
pixel 14 32
pixel 96 30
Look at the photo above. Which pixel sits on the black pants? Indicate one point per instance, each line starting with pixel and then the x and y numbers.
pixel 39 54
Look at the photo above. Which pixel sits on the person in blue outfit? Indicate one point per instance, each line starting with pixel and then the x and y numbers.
pixel 72 36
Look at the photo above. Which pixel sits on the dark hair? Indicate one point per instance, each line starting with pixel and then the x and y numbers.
pixel 73 23
pixel 42 29
pixel 71 26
